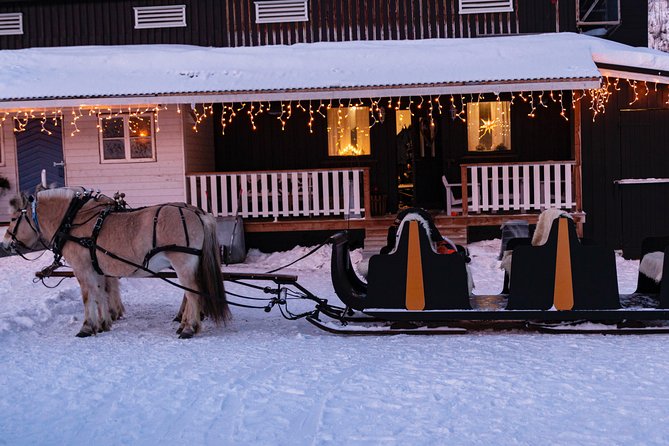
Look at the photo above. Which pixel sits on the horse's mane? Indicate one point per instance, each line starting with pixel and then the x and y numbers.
pixel 60 192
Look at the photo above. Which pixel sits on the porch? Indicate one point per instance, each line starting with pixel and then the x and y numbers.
pixel 340 198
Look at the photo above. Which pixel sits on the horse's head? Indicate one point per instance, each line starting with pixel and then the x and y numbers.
pixel 22 230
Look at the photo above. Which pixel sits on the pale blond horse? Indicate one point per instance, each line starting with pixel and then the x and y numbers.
pixel 127 245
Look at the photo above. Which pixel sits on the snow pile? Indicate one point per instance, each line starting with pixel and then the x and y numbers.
pixel 264 380
pixel 107 71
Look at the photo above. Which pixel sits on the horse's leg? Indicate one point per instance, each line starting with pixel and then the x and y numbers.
pixel 190 320
pixel 96 307
pixel 116 308
pixel 180 314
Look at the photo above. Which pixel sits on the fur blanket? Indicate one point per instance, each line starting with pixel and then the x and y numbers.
pixel 541 233
pixel 651 265
pixel 544 224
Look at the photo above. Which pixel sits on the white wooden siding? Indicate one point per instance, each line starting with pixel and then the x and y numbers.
pixel 8 168
pixel 143 183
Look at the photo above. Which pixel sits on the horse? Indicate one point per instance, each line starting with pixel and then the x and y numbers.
pixel 102 241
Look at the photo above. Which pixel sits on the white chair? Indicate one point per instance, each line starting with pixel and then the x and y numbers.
pixel 452 204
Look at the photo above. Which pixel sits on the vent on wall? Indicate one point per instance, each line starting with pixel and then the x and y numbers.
pixel 482 6
pixel 279 11
pixel 11 24
pixel 172 16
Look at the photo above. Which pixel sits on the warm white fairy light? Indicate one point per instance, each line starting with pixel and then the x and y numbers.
pixel 532 113
pixel 597 98
pixel 634 85
pixel 563 111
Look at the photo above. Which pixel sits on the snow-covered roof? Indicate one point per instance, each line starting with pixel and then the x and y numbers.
pixel 178 73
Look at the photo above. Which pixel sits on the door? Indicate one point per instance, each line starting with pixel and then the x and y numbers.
pixel 644 141
pixel 40 146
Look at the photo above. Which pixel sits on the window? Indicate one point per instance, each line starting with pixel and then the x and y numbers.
pixel 489 126
pixel 173 16
pixel 282 11
pixel 402 120
pixel 482 6
pixel 2 146
pixel 11 24
pixel 348 131
pixel 125 138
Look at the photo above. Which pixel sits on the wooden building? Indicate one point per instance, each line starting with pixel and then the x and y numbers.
pixel 300 156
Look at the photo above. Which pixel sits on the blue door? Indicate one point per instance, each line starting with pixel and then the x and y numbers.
pixel 40 146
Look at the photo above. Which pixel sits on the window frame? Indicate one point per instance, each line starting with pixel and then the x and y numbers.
pixel 126 138
pixel 474 7
pixel 15 18
pixel 138 11
pixel 2 146
pixel 329 129
pixel 281 11
pixel 508 150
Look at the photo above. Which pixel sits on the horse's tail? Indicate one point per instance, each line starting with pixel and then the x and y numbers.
pixel 211 278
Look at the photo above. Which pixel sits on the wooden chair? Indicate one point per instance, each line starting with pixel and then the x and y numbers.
pixel 452 204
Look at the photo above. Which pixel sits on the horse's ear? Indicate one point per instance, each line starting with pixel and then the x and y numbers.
pixel 19 202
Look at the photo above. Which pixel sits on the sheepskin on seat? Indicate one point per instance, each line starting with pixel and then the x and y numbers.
pixel 651 265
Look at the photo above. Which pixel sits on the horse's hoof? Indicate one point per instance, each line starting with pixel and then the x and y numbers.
pixel 187 333
pixel 84 334
pixel 179 330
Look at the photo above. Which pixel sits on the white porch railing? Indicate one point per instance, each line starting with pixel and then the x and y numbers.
pixel 519 186
pixel 281 193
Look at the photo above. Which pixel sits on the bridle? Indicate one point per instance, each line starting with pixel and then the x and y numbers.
pixel 34 225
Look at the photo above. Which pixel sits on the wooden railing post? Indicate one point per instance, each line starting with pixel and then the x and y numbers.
pixel 464 179
pixel 367 204
pixel 577 158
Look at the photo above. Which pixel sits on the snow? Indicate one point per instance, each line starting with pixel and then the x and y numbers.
pixel 108 71
pixel 265 380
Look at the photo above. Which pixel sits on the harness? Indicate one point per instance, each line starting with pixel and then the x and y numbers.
pixel 62 235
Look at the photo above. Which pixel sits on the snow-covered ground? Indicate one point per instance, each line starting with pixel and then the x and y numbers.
pixel 265 380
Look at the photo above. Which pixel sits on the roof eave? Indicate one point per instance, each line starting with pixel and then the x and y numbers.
pixel 466 87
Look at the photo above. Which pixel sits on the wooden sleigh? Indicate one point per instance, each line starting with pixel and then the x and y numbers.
pixel 560 281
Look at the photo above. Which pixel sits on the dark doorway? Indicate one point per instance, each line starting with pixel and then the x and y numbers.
pixel 644 140
pixel 40 146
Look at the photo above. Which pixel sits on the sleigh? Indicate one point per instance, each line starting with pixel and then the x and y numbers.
pixel 551 288
pixel 653 276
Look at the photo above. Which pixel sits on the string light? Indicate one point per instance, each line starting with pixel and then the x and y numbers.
pixel 596 98
pixel 633 84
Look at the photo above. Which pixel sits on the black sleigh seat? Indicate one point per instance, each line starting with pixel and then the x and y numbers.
pixel 414 276
pixel 658 247
pixel 563 274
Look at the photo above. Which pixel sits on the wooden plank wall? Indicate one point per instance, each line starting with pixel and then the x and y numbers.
pixel 602 160
pixel 231 23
